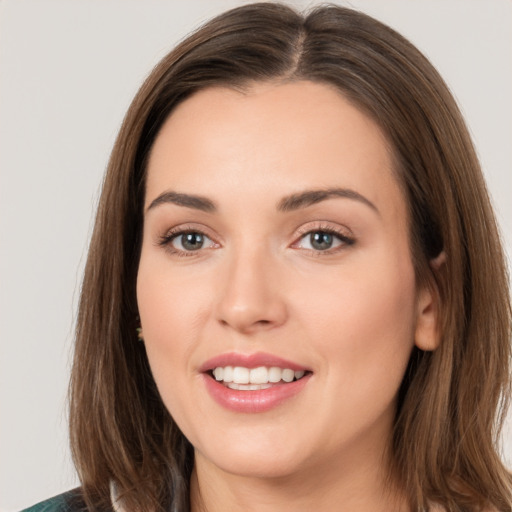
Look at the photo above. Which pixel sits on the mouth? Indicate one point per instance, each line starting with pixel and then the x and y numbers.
pixel 253 383
pixel 253 379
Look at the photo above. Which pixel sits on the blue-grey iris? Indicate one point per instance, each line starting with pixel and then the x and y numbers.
pixel 192 241
pixel 321 240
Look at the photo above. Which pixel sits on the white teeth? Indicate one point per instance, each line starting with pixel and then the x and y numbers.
pixel 247 387
pixel 228 374
pixel 274 374
pixel 258 375
pixel 239 377
pixel 288 375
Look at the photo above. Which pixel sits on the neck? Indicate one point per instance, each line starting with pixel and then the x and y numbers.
pixel 355 485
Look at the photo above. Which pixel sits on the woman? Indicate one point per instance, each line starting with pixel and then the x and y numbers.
pixel 295 295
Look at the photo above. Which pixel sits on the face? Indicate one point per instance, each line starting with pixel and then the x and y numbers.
pixel 276 291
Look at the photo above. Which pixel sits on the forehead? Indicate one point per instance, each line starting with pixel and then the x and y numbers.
pixel 273 139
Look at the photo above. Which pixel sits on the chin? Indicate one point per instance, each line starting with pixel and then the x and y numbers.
pixel 261 468
pixel 255 460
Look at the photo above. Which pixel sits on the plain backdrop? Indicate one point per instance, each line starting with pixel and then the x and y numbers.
pixel 68 70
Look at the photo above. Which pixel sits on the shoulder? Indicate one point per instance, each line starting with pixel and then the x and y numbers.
pixel 70 501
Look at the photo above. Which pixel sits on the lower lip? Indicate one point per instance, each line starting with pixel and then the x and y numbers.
pixel 255 401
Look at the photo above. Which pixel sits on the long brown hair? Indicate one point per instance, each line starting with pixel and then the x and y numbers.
pixel 451 402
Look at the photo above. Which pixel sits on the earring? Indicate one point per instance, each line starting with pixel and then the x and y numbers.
pixel 139 334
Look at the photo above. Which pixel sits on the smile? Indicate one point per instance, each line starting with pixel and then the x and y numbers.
pixel 252 379
pixel 253 383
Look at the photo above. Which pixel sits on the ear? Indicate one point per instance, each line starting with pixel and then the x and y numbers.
pixel 427 335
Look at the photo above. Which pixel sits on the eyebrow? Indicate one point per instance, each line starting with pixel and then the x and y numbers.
pixel 189 201
pixel 311 197
pixel 286 204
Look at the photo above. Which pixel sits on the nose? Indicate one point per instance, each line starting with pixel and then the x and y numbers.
pixel 252 299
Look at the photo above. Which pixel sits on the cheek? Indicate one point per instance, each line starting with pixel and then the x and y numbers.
pixel 364 325
pixel 171 313
pixel 171 301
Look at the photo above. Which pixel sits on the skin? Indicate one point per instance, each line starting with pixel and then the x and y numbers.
pixel 351 314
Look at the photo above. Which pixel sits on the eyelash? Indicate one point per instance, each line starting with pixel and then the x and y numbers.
pixel 346 241
pixel 166 240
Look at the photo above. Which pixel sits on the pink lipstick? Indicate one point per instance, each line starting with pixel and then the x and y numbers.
pixel 253 383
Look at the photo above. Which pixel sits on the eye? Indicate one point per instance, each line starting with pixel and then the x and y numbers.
pixel 186 242
pixel 189 241
pixel 322 240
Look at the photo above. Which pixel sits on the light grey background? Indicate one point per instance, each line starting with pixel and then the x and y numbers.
pixel 68 70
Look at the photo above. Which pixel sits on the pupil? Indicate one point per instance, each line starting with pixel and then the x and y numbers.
pixel 192 241
pixel 321 240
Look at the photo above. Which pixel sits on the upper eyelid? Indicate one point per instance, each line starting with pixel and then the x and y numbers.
pixel 324 225
pixel 190 228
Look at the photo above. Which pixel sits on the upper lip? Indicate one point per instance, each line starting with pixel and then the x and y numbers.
pixel 250 361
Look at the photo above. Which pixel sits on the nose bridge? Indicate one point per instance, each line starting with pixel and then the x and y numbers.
pixel 251 299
